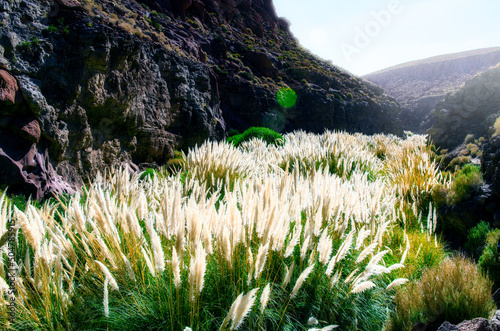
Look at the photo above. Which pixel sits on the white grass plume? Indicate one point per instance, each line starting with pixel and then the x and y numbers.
pixel 176 269
pixel 105 300
pixel 243 309
pixel 260 260
pixel 197 271
pixel 362 287
pixel 303 276
pixel 342 252
pixel 367 251
pixel 396 282
pixel 232 310
pixel 264 298
pixel 108 275
pixel 288 274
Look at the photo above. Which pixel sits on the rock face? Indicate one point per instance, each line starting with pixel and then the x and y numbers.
pixel 86 85
pixel 478 324
pixel 471 110
pixel 418 86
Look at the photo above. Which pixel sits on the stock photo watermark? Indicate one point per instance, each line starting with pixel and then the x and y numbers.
pixel 11 270
pixel 364 34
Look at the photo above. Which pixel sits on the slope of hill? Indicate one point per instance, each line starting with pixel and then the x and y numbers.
pixel 88 84
pixel 419 85
pixel 472 110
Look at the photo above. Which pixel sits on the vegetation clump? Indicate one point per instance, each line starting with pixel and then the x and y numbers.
pixel 467 181
pixel 267 135
pixel 232 240
pixel 454 291
pixel 476 238
pixel 489 262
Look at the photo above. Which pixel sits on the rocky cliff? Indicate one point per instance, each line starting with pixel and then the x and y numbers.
pixel 419 85
pixel 88 84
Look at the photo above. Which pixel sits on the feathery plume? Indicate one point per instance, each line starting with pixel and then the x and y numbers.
pixel 264 298
pixel 396 282
pixel 294 241
pixel 362 235
pixel 158 255
pixel 362 287
pixel 243 308
pixel 148 262
pixel 324 247
pixel 367 251
pixel 230 314
pixel 176 269
pixel 105 299
pixel 108 275
pixel 395 267
pixel 407 249
pixel 342 252
pixel 288 274
pixel 260 260
pixel 197 270
pixel 303 276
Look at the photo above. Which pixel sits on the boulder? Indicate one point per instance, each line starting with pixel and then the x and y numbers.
pixel 10 94
pixel 478 324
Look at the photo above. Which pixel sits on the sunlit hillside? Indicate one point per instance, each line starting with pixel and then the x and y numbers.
pixel 316 232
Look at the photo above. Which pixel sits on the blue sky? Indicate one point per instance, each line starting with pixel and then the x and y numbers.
pixel 363 36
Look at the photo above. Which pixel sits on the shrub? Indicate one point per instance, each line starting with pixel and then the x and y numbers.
pixel 477 237
pixel 467 182
pixel 489 262
pixel 469 138
pixel 268 135
pixel 453 291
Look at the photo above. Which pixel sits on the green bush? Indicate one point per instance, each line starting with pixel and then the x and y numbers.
pixel 268 135
pixel 149 173
pixel 454 291
pixel 489 262
pixel 477 237
pixel 467 182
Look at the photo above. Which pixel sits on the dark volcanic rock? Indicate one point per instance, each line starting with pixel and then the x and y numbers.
pixel 478 324
pixel 127 82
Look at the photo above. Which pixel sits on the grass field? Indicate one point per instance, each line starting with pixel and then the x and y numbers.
pixel 316 233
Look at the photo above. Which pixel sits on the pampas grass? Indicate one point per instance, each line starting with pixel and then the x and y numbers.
pixel 322 212
pixel 303 276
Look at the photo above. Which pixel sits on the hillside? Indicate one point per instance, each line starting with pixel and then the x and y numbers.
pixel 419 85
pixel 472 110
pixel 89 84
